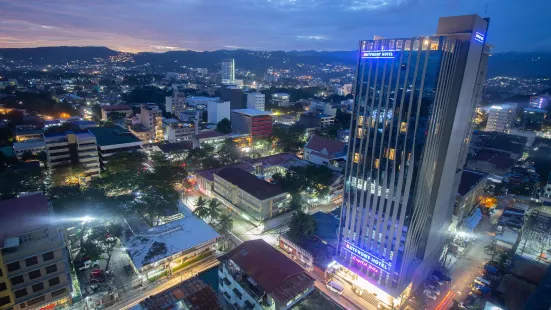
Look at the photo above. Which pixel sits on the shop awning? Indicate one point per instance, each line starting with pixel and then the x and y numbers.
pixel 472 221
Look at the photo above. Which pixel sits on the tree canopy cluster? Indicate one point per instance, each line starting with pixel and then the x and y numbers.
pixel 311 179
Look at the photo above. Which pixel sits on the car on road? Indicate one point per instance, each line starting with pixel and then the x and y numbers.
pixel 430 294
pixel 433 288
pixel 335 287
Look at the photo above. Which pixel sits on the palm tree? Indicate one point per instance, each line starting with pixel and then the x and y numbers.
pixel 225 224
pixel 201 202
pixel 213 211
pixel 201 210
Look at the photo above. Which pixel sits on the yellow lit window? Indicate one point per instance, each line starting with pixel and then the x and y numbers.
pixel 360 133
pixel 376 163
pixel 409 156
pixel 407 45
pixel 373 122
pixel 403 127
pixel 356 158
pixel 361 120
pixel 391 154
pixel 434 45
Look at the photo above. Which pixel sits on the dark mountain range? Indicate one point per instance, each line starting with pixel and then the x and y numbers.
pixel 533 64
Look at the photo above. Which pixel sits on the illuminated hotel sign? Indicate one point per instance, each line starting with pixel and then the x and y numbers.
pixel 479 37
pixel 378 54
pixel 372 260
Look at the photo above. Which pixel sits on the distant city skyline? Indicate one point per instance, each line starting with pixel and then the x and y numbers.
pixel 163 25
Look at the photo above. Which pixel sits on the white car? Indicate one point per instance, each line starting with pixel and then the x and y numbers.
pixel 432 288
pixel 436 279
pixel 430 294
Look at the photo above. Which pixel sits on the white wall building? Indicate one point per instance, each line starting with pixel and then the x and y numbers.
pixel 256 101
pixel 217 111
pixel 33 146
pixel 501 117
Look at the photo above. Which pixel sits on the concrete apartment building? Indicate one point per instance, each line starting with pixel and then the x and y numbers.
pixel 217 110
pixel 501 117
pixel 257 276
pixel 177 132
pixel 114 139
pixel 33 146
pixel 106 110
pixel 408 160
pixel 71 148
pixel 254 122
pixel 176 104
pixel 248 195
pixel 34 264
pixel 256 101
pixel 152 120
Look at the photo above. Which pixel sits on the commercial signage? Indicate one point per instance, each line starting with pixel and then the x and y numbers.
pixel 374 261
pixel 378 54
pixel 479 37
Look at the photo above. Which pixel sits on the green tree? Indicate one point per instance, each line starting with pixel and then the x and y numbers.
pixel 302 226
pixel 201 211
pixel 96 112
pixel 224 126
pixel 105 237
pixel 214 213
pixel 228 153
pixel 14 182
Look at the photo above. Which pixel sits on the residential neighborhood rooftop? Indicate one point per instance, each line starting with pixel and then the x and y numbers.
pixel 115 107
pixel 325 145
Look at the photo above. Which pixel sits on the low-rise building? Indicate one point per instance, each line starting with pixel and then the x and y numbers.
pixel 263 167
pixel 123 109
pixel 256 123
pixel 72 148
pixel 29 134
pixel 178 132
pixel 281 99
pixel 469 194
pixel 114 139
pixel 216 139
pixel 248 195
pixel 533 119
pixel 32 146
pixel 191 294
pixel 493 163
pixel 257 276
pixel 175 151
pixel 321 151
pixel 141 132
pixel 34 263
pixel 178 239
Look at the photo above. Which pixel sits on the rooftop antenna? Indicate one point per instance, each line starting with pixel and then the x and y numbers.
pixel 486 10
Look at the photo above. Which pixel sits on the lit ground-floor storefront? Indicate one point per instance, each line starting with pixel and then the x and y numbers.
pixel 355 274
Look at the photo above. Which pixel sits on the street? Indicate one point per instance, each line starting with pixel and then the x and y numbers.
pixel 139 294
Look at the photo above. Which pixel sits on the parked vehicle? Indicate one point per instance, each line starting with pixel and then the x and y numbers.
pixel 482 281
pixel 490 269
pixel 335 287
pixel 432 288
pixel 437 280
pixel 430 294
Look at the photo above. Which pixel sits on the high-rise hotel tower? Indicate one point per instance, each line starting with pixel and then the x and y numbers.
pixel 410 131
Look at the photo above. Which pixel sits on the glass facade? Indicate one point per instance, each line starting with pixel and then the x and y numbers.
pixel 401 105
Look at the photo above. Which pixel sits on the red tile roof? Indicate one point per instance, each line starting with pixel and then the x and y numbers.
pixel 24 214
pixel 249 183
pixel 115 107
pixel 277 274
pixel 318 143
